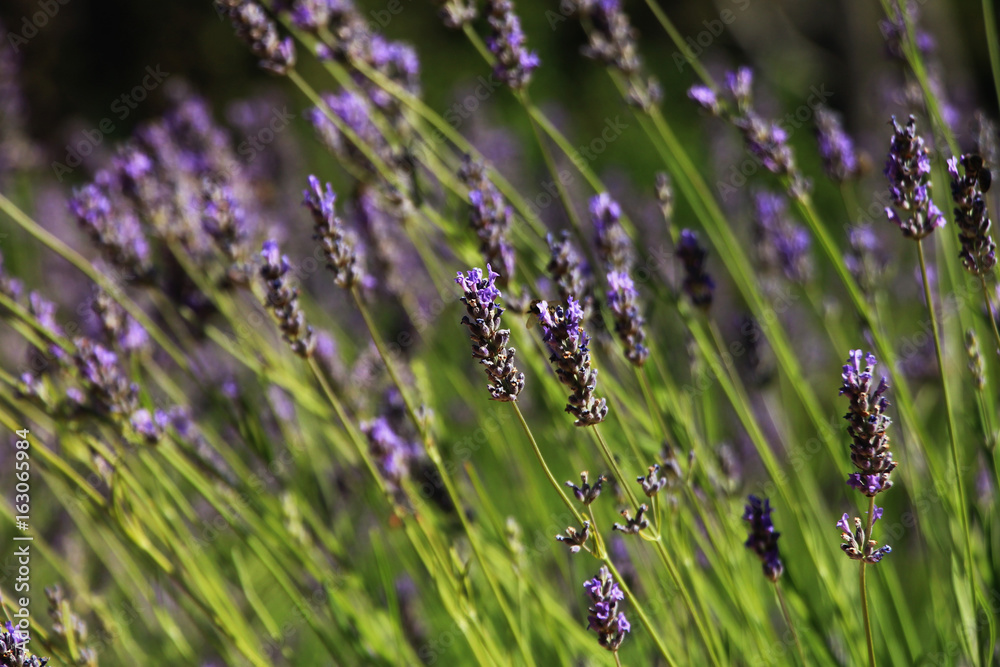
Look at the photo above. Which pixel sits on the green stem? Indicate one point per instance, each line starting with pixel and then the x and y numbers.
pixel 992 313
pixel 953 439
pixel 992 42
pixel 864 594
pixel 788 621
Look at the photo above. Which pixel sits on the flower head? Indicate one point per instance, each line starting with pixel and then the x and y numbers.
pixel 491 218
pixel 867 425
pixel 258 30
pixel 489 341
pixel 515 62
pixel 606 617
pixel 622 298
pixel 283 300
pixel 908 168
pixel 338 247
pixel 562 332
pixel 972 216
pixel 836 148
pixel 781 244
pixel 763 538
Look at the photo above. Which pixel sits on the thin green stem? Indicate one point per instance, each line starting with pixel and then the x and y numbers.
pixel 864 593
pixel 952 432
pixel 788 621
pixel 991 312
pixel 993 43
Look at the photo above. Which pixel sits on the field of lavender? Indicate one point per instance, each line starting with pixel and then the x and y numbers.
pixel 259 390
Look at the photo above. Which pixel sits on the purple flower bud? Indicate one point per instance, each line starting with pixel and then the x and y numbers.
pixel 763 538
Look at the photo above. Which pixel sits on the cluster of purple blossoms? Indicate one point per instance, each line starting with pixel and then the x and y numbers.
pixel 393 454
pixel 284 301
pixel 867 425
pixel 338 248
pixel 836 148
pixel 562 332
pixel 908 168
pixel 763 538
pixel 107 389
pixel 766 140
pixel 354 112
pixel 698 285
pixel 606 617
pixel 856 544
pixel 780 243
pixel 613 245
pixel 570 273
pixel 255 28
pixel 490 217
pixel 972 216
pixel 489 341
pixel 506 42
pixel 121 330
pixel 622 297
pixel 612 41
pixel 14 649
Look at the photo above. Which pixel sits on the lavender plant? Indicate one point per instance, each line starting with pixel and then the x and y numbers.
pixel 191 492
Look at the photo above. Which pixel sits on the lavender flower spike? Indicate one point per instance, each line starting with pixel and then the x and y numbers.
pixel 971 214
pixel 284 301
pixel 835 147
pixel 514 62
pixel 490 217
pixel 489 341
pixel 867 426
pixel 255 28
pixel 606 617
pixel 622 297
pixel 908 168
pixel 763 538
pixel 337 246
pixel 698 285
pixel 562 331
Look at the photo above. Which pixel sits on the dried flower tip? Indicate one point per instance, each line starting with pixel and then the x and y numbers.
pixel 633 524
pixel 586 493
pixel 763 538
pixel 489 341
pixel 573 539
pixel 652 483
pixel 855 545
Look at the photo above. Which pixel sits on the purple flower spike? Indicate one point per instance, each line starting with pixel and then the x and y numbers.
pixel 284 301
pixel 338 246
pixel 491 218
pixel 507 43
pixel 836 148
pixel 763 538
pixel 698 285
pixel 908 168
pixel 257 29
pixel 972 216
pixel 867 425
pixel 562 332
pixel 606 617
pixel 489 341
pixel 622 297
